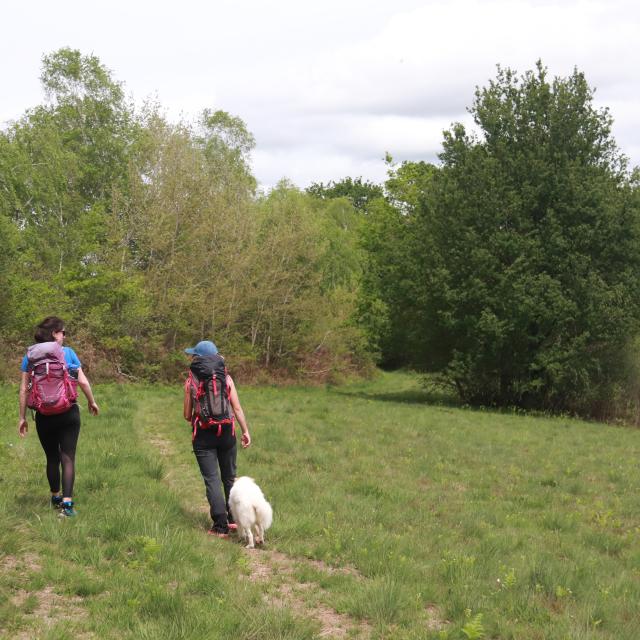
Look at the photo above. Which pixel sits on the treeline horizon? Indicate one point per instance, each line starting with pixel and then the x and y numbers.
pixel 509 271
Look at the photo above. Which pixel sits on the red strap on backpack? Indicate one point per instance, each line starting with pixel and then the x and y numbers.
pixel 196 421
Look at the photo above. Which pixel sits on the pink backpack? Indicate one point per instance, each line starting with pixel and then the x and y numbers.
pixel 51 389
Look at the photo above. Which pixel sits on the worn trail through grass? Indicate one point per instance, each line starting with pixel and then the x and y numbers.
pixel 272 570
pixel 396 515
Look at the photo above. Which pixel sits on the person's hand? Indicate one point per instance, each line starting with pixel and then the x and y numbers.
pixel 23 427
pixel 93 408
pixel 246 440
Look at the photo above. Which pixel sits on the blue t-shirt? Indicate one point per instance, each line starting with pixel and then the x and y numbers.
pixel 73 363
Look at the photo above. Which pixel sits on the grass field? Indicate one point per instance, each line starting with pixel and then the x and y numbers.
pixel 395 516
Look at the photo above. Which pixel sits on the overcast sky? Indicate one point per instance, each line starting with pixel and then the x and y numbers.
pixel 328 87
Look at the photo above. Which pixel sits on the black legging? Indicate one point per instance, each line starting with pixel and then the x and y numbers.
pixel 59 437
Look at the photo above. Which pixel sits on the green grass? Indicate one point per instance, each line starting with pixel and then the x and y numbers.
pixel 393 508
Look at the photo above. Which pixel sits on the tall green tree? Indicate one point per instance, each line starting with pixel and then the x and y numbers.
pixel 360 192
pixel 68 156
pixel 530 240
pixel 392 290
pixel 92 115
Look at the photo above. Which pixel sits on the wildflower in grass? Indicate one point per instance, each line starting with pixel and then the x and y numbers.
pixel 509 580
pixel 562 592
pixel 605 591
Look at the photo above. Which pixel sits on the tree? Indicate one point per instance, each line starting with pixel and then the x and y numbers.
pixel 360 193
pixel 306 269
pixel 227 145
pixel 530 248
pixel 407 183
pixel 146 235
pixel 392 281
pixel 91 115
pixel 67 157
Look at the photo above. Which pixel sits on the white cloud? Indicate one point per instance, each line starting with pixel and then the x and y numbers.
pixel 328 88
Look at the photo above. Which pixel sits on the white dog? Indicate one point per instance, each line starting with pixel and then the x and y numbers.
pixel 250 510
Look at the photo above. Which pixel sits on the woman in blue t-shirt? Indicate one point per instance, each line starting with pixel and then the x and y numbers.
pixel 58 434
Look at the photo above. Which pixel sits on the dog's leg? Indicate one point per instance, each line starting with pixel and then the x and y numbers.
pixel 259 531
pixel 248 536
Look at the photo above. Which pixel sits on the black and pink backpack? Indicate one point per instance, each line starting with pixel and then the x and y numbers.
pixel 210 394
pixel 51 389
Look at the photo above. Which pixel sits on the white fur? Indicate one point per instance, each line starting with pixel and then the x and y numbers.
pixel 251 512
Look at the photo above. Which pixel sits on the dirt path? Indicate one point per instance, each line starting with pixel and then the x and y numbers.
pixel 277 570
pixel 275 567
pixel 46 606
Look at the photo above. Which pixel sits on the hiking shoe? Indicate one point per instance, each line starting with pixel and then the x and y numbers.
pixel 67 510
pixel 56 502
pixel 217 534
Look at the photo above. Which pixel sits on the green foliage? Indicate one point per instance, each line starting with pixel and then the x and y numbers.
pixel 9 256
pixel 147 236
pixel 407 183
pixel 392 277
pixel 360 193
pixel 473 629
pixel 385 281
pixel 308 259
pixel 522 264
pixel 227 145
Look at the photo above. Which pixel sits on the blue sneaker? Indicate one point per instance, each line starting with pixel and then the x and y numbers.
pixel 56 502
pixel 67 510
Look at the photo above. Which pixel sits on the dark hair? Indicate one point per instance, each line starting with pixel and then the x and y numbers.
pixel 46 329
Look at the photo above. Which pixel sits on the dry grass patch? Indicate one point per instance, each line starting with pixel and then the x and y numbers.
pixel 162 444
pixel 47 608
pixel 435 620
pixel 29 562
pixel 288 593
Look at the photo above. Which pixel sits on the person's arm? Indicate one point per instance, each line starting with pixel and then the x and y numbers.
pixel 23 426
pixel 187 409
pixel 83 383
pixel 239 414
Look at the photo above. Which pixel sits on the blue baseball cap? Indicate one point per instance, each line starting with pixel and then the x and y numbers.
pixel 203 348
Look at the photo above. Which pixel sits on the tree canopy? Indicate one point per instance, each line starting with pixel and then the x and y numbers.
pixel 358 191
pixel 147 235
pixel 510 269
pixel 522 253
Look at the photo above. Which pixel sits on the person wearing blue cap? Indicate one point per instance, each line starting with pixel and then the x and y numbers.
pixel 212 406
pixel 203 348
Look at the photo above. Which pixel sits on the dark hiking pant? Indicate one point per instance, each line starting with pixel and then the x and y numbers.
pixel 218 469
pixel 59 437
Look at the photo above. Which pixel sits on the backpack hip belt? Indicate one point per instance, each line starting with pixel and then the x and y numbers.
pixel 198 424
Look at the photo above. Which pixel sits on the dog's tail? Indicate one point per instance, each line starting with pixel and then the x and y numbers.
pixel 264 514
